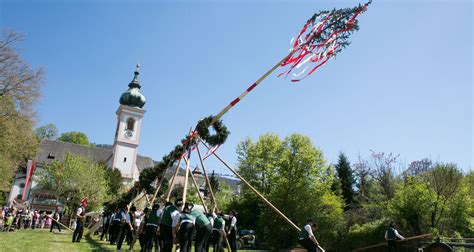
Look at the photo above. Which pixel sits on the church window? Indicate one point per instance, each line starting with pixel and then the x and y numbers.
pixel 124 159
pixel 130 124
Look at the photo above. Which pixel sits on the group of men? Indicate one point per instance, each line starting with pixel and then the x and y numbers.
pixel 161 228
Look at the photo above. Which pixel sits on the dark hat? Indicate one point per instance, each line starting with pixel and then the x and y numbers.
pixel 188 207
pixel 156 206
pixel 178 202
pixel 309 220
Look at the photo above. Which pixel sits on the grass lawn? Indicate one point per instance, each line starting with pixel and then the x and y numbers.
pixel 42 240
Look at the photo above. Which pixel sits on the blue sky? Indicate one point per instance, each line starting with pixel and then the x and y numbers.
pixel 404 85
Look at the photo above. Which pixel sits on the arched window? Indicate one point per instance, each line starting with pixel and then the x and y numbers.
pixel 130 124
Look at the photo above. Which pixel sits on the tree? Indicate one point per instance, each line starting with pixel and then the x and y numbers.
pixel 292 174
pixel 445 179
pixel 75 178
pixel 19 83
pixel 48 131
pixel 412 203
pixel 113 177
pixel 75 137
pixel 19 89
pixel 215 185
pixel 346 179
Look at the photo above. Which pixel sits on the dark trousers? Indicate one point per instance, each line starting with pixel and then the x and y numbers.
pixel 308 244
pixel 158 243
pixel 132 237
pixel 124 229
pixel 202 236
pixel 77 235
pixel 54 224
pixel 166 234
pixel 217 239
pixel 392 246
pixel 105 230
pixel 233 240
pixel 114 231
pixel 33 224
pixel 150 235
pixel 185 236
pixel 141 239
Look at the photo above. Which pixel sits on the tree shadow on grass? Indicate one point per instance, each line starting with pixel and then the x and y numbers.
pixel 96 245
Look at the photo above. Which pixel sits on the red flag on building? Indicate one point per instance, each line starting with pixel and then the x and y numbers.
pixel 30 169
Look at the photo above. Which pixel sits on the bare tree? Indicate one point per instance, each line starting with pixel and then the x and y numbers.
pixel 19 83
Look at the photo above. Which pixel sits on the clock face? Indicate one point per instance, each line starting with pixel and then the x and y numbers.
pixel 128 134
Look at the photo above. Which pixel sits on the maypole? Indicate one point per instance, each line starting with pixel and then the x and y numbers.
pixel 323 36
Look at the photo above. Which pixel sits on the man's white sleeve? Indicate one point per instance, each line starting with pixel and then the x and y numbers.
pixel 233 221
pixel 79 210
pixel 175 217
pixel 386 236
pixel 398 235
pixel 309 230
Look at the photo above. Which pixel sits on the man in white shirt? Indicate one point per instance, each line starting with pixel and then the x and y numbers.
pixel 391 236
pixel 168 224
pixel 307 238
pixel 232 232
pixel 80 218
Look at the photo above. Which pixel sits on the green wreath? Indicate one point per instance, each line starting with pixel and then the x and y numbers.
pixel 221 131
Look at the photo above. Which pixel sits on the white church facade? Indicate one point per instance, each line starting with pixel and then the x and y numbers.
pixel 122 155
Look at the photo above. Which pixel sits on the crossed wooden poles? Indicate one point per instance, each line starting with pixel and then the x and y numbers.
pixel 213 199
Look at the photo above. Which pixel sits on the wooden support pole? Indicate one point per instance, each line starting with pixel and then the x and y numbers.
pixel 197 188
pixel 384 244
pixel 212 193
pixel 255 191
pixel 208 182
pixel 170 187
pixel 185 191
pixel 161 182
pixel 137 198
pixel 62 225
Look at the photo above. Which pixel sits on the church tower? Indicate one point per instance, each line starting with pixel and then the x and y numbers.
pixel 127 134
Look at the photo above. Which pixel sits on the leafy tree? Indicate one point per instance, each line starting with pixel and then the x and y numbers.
pixel 412 203
pixel 19 89
pixel 75 137
pixel 48 131
pixel 224 197
pixel 17 143
pixel 346 179
pixel 445 179
pixel 113 178
pixel 75 178
pixel 292 174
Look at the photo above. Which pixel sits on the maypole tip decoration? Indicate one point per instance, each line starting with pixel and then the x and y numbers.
pixel 323 36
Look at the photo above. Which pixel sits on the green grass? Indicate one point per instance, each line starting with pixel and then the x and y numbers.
pixel 42 240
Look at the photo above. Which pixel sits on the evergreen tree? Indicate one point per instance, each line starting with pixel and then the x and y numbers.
pixel 346 179
pixel 214 183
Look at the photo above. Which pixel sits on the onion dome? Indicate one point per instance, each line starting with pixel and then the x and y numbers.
pixel 132 97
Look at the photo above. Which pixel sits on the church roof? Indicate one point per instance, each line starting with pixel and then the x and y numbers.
pixel 50 150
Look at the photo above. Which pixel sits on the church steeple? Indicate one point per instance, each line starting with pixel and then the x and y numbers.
pixel 132 97
pixel 127 136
